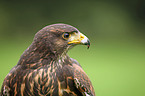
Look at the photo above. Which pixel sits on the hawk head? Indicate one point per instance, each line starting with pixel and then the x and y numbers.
pixel 59 38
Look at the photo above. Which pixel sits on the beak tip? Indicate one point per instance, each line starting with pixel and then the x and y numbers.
pixel 88 44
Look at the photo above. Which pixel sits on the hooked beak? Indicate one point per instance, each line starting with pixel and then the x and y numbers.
pixel 79 38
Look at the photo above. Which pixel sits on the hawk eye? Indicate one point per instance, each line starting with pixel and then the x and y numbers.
pixel 66 35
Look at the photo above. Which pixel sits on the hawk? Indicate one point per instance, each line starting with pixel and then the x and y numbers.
pixel 45 69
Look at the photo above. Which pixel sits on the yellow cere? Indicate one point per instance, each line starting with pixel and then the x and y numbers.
pixel 76 38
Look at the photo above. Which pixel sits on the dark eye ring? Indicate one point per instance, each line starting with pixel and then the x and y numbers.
pixel 66 35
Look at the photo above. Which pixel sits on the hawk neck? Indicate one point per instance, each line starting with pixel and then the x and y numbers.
pixel 37 56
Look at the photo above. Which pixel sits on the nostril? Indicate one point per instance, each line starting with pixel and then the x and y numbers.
pixel 82 37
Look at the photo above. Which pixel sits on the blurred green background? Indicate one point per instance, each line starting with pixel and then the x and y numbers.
pixel 115 61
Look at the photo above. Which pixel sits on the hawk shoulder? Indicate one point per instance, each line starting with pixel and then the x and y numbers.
pixel 81 80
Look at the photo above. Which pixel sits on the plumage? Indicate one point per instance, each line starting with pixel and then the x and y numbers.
pixel 45 69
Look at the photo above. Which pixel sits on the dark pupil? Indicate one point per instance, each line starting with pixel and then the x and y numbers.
pixel 66 35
